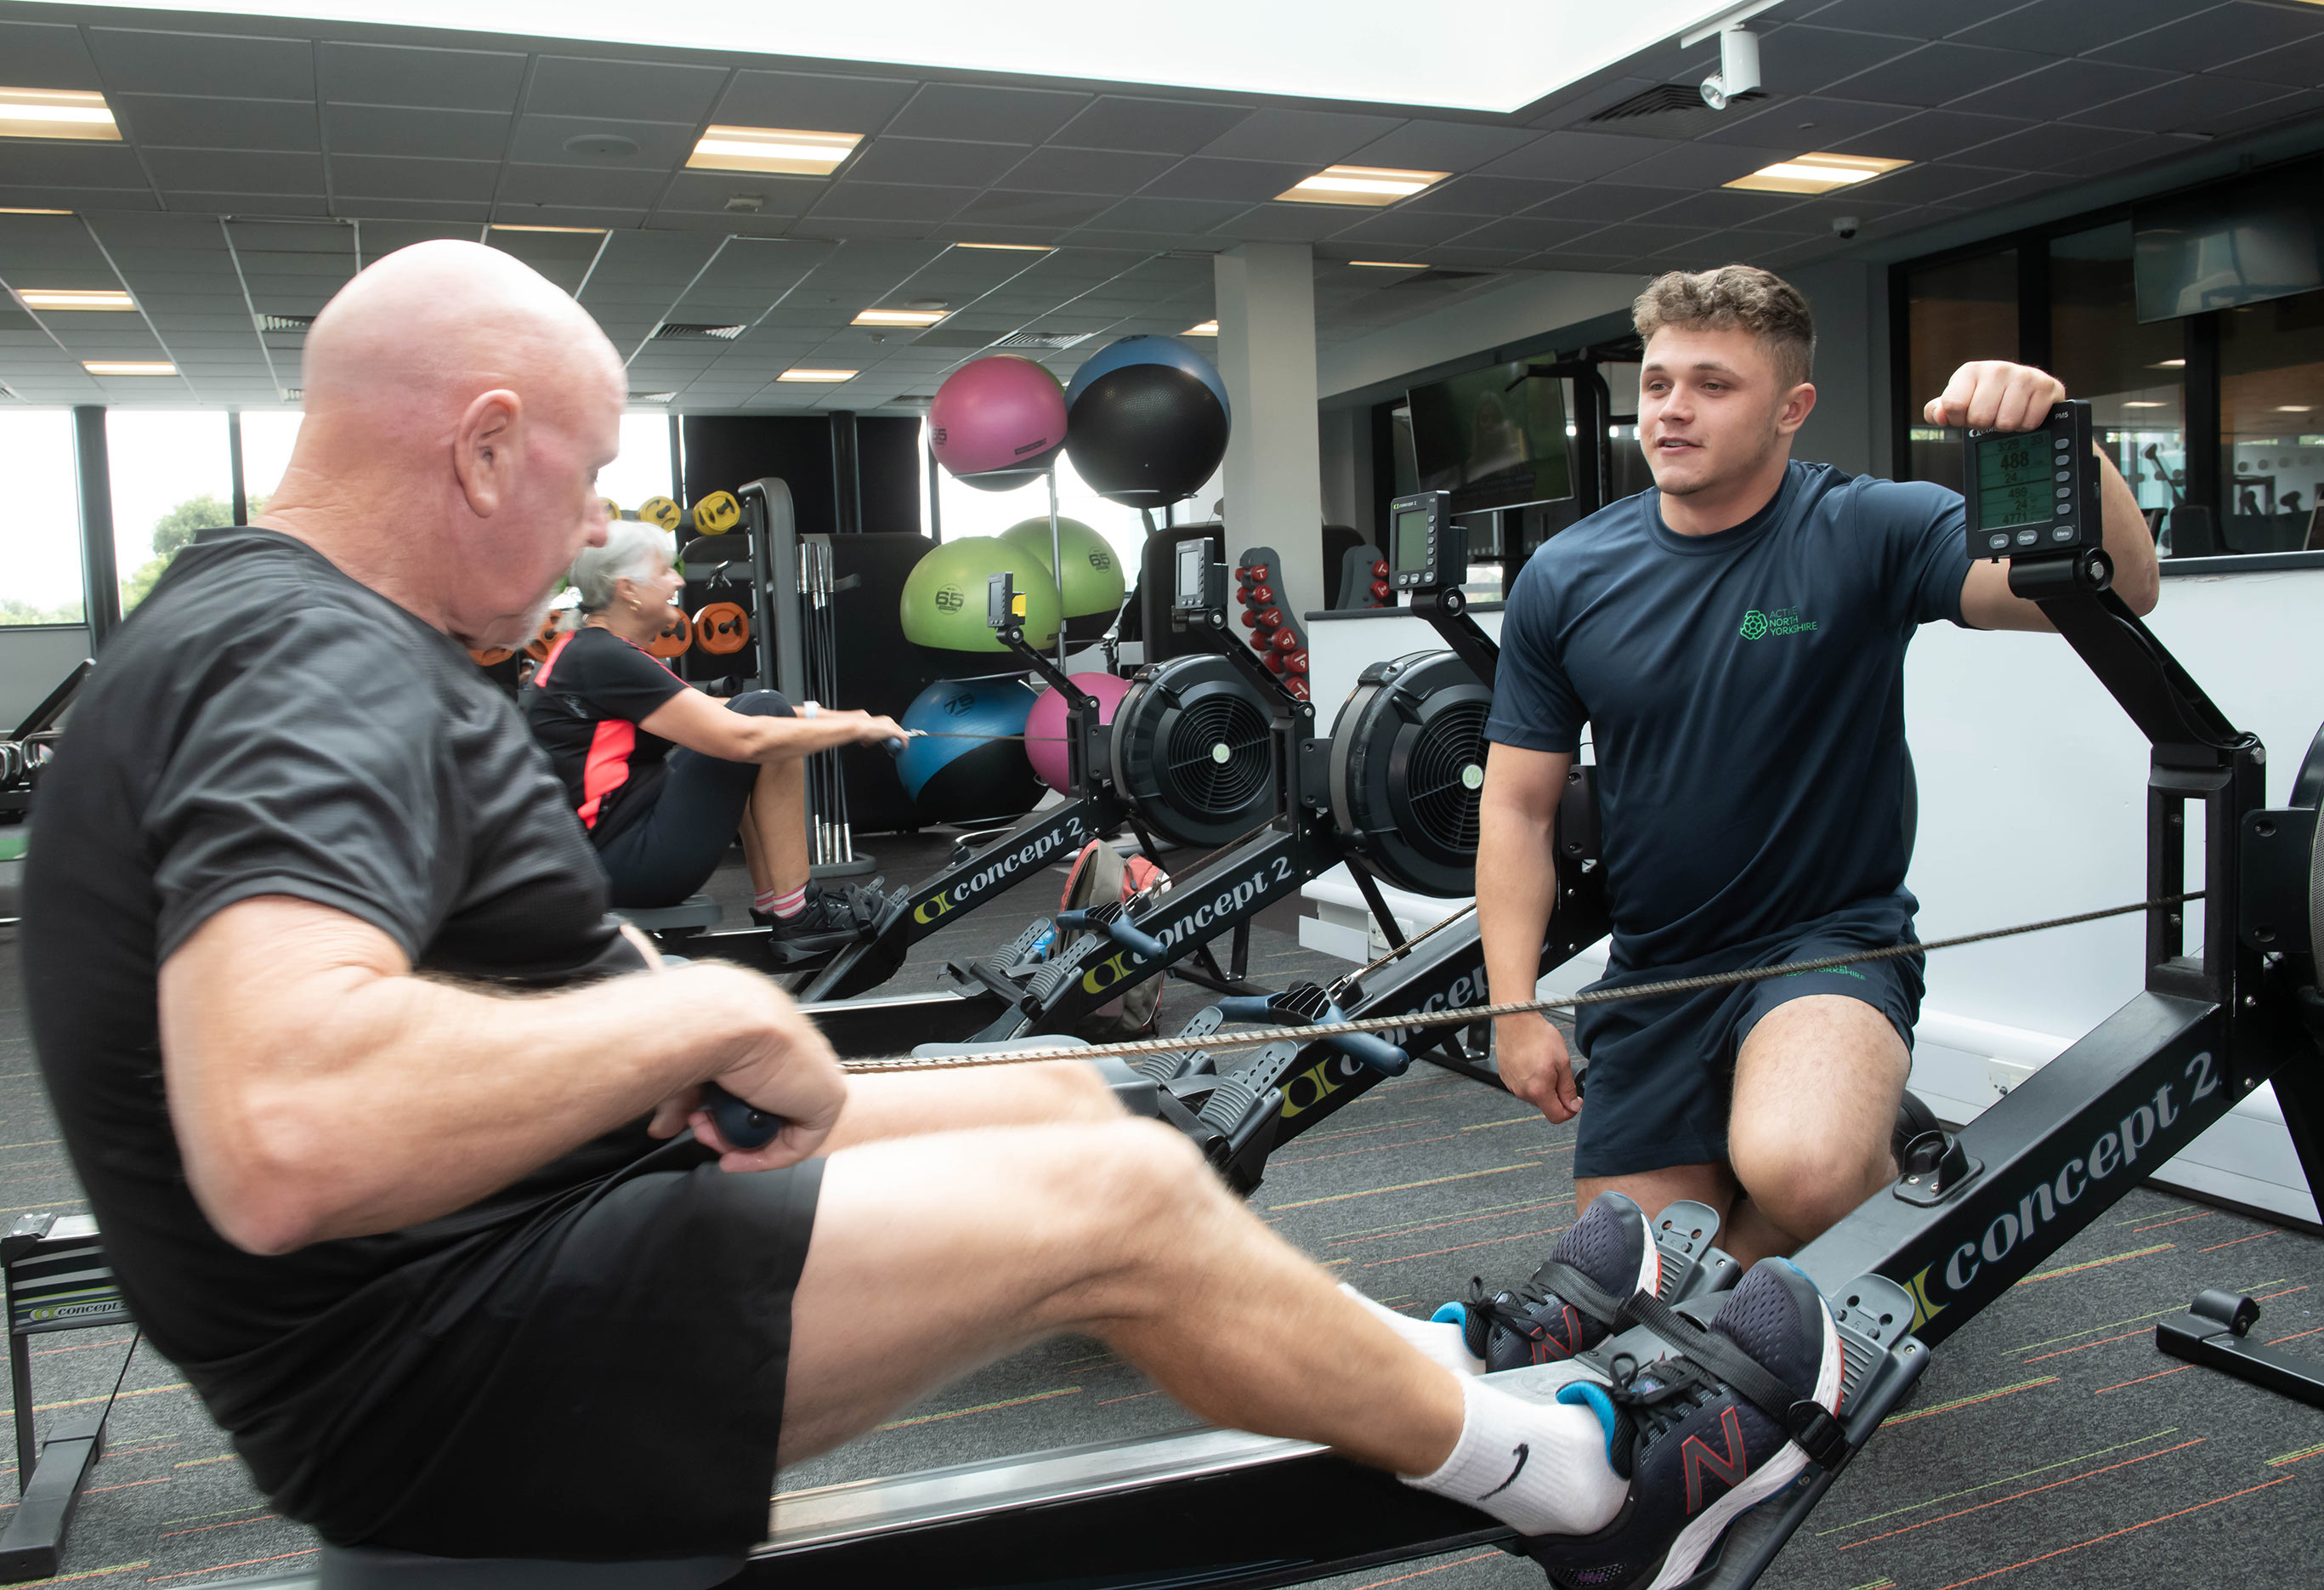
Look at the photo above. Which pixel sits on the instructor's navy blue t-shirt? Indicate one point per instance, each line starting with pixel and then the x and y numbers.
pixel 1744 694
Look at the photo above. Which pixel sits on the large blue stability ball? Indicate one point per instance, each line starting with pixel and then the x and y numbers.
pixel 1147 422
pixel 956 773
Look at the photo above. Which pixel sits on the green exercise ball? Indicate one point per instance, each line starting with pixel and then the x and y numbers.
pixel 1093 586
pixel 944 604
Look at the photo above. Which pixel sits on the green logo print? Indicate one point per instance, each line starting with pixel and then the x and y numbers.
pixel 1784 621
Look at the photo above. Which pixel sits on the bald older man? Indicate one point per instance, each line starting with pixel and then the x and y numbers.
pixel 382 1116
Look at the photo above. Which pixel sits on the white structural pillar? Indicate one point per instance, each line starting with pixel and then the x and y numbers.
pixel 1267 353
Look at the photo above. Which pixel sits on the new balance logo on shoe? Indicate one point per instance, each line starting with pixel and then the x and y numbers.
pixel 1695 1453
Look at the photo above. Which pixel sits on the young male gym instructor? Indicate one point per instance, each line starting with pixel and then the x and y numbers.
pixel 381 1114
pixel 1735 641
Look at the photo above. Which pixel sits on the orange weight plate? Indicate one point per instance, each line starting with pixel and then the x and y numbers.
pixel 722 627
pixel 676 635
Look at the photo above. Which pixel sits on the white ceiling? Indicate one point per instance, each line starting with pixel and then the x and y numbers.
pixel 265 162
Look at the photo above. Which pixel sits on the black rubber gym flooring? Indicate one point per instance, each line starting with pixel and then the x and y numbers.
pixel 2050 1443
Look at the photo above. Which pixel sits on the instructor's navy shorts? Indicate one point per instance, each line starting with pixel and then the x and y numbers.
pixel 1662 1072
pixel 672 851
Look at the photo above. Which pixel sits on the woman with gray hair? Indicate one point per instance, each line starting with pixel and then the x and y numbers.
pixel 663 777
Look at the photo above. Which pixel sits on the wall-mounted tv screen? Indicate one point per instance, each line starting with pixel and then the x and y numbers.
pixel 1493 438
pixel 2241 242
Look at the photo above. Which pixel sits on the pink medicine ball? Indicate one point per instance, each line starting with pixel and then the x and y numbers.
pixel 997 414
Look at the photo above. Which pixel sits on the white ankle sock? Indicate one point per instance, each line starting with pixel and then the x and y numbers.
pixel 1539 1467
pixel 1443 1343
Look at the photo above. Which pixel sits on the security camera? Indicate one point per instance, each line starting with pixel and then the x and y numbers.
pixel 1738 68
pixel 1845 225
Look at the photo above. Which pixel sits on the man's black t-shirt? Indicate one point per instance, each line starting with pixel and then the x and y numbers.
pixel 265 725
pixel 585 705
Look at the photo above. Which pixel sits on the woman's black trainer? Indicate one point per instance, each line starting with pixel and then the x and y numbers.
pixel 1573 1300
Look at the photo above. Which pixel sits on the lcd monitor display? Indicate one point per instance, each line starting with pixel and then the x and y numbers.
pixel 1411 550
pixel 2013 481
pixel 1493 438
pixel 2241 242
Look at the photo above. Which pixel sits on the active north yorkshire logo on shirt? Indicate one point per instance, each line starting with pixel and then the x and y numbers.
pixel 1784 621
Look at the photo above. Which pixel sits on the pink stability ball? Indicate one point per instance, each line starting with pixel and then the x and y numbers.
pixel 999 417
pixel 1045 726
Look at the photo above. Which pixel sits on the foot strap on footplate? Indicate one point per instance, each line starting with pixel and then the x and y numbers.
pixel 1807 1421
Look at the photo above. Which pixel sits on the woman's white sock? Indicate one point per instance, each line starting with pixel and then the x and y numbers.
pixel 1539 1467
pixel 1443 1344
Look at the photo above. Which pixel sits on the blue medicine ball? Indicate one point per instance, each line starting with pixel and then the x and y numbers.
pixel 955 776
pixel 1143 349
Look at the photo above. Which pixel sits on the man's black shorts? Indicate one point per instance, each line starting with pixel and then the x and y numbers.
pixel 635 1410
pixel 1662 1071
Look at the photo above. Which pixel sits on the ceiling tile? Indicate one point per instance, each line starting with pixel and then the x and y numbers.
pixel 189 121
pixel 1604 201
pixel 2048 148
pixel 1702 165
pixel 1251 181
pixel 937 160
pixel 1529 234
pixel 2295 66
pixel 2138 153
pixel 1159 126
pixel 1087 171
pixel 2188 105
pixel 2010 190
pixel 1406 229
pixel 1284 223
pixel 1935 74
pixel 1141 214
pixel 2263 112
pixel 1317 138
pixel 72 165
pixel 1914 18
pixel 1930 182
pixel 1731 206
pixel 1639 237
pixel 1931 136
pixel 578 186
pixel 2071 27
pixel 1461 257
pixel 1441 146
pixel 997 116
pixel 812 101
pixel 1576 157
pixel 1809 60
pixel 440 135
pixel 371 176
pixel 708 192
pixel 435 79
pixel 235 170
pixel 140 60
pixel 2056 92
pixel 1808 123
pixel 566 85
pixel 48 55
pixel 1007 207
pixel 891 201
pixel 662 146
pixel 270 202
pixel 1485 196
pixel 2209 37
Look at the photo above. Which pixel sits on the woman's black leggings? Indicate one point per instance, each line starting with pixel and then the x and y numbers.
pixel 672 851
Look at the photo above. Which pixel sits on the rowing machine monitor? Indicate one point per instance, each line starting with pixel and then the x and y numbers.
pixel 2033 493
pixel 1198 596
pixel 1003 606
pixel 1427 550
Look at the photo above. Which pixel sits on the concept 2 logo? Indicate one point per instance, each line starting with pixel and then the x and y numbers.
pixel 1001 870
pixel 1262 883
pixel 1321 1080
pixel 1941 1282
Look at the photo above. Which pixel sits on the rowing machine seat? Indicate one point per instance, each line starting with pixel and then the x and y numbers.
pixel 362 1567
pixel 696 913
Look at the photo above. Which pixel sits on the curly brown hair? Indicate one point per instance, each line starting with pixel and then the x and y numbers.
pixel 1732 297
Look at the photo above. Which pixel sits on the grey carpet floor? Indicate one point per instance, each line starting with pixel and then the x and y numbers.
pixel 2050 1443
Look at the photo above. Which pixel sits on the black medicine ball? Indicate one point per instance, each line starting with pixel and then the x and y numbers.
pixel 1146 436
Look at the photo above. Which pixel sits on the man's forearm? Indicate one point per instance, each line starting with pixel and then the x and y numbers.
pixel 347 1097
pixel 1516 890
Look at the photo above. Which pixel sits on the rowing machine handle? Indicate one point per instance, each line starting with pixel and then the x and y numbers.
pixel 1121 932
pixel 1373 1050
pixel 745 1126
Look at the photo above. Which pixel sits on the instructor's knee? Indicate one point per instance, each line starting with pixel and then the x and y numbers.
pixel 761 704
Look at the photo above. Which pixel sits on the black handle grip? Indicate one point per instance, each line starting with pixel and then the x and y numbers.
pixel 1118 930
pixel 1370 1047
pixel 743 1126
pixel 892 745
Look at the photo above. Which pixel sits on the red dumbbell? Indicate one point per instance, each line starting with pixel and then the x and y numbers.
pixel 1270 618
pixel 1258 571
pixel 1295 661
pixel 1379 568
pixel 1275 662
pixel 1263 594
pixel 1250 619
pixel 1259 639
pixel 1285 641
pixel 1295 688
pixel 1379 590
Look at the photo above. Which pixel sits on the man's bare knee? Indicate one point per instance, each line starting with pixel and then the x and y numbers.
pixel 1806 1188
pixel 1083 1092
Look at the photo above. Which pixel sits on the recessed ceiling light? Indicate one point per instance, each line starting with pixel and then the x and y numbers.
pixel 1360 185
pixel 1389 264
pixel 55 112
pixel 514 227
pixel 1816 173
pixel 1207 328
pixel 1011 247
pixel 900 317
pixel 772 149
pixel 2142 405
pixel 816 375
pixel 2180 364
pixel 129 367
pixel 2294 408
pixel 10 209
pixel 652 397
pixel 74 297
